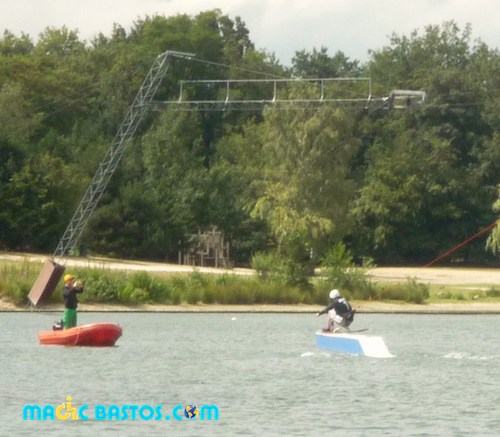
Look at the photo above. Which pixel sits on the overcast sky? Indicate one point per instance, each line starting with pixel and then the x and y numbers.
pixel 281 27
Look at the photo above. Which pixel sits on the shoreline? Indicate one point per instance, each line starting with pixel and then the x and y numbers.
pixel 362 307
pixel 463 277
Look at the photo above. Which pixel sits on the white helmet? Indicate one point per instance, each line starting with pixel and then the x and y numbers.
pixel 334 294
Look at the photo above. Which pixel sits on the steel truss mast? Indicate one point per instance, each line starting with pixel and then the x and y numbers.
pixel 108 165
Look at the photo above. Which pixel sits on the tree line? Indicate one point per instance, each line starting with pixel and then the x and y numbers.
pixel 396 186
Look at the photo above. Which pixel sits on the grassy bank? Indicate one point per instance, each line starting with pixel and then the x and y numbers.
pixel 107 286
pixel 118 287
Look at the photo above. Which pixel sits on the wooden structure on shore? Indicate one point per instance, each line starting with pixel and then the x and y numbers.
pixel 207 249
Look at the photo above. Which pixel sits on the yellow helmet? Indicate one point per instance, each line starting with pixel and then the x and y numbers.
pixel 68 277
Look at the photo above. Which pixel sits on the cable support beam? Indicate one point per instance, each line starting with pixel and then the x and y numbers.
pixel 254 94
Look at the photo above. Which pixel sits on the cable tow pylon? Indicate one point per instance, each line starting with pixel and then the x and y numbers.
pixel 108 165
pixel 53 268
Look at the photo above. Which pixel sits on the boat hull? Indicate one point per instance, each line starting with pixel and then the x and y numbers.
pixel 95 334
pixel 354 344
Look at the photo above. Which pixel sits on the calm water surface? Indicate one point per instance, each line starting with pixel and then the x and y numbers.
pixel 264 374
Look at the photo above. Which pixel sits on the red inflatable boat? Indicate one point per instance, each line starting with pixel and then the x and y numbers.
pixel 95 334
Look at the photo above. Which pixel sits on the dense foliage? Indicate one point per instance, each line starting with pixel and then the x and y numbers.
pixel 393 185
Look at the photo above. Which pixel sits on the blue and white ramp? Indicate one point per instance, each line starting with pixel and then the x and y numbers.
pixel 356 344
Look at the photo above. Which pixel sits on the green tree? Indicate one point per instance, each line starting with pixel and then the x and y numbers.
pixel 239 162
pixel 18 120
pixel 10 45
pixel 426 186
pixel 493 242
pixel 38 202
pixel 318 64
pixel 306 187
pixel 174 170
pixel 129 225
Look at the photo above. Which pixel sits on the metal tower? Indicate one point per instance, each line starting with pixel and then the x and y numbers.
pixel 108 165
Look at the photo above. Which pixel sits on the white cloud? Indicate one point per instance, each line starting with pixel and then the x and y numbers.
pixel 279 26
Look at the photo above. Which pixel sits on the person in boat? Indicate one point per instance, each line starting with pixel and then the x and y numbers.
pixel 70 290
pixel 339 311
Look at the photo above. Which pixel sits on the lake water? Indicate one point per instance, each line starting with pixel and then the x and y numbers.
pixel 263 373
